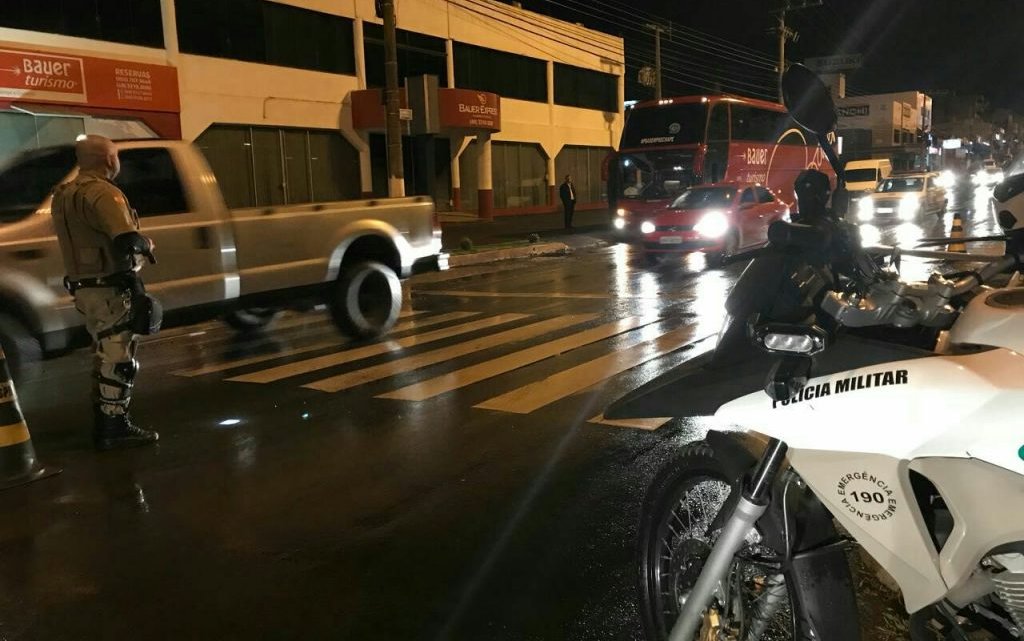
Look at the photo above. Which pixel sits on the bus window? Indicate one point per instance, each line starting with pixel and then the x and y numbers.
pixel 677 124
pixel 755 125
pixel 655 175
pixel 718 143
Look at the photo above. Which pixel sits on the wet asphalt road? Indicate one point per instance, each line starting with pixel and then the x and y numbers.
pixel 452 482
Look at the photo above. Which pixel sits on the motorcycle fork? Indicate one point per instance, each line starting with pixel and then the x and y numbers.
pixel 752 504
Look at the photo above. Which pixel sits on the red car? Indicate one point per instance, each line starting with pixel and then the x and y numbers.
pixel 721 220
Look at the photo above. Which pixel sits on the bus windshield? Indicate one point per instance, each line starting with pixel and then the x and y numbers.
pixel 677 124
pixel 656 175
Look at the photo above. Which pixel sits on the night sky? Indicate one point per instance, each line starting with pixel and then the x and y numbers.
pixel 969 46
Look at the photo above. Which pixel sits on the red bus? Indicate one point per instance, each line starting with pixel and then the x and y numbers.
pixel 671 144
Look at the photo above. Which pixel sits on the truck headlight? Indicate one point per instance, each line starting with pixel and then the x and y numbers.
pixel 908 207
pixel 647 227
pixel 865 209
pixel 713 224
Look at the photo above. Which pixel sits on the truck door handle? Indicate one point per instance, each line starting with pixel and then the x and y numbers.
pixel 204 239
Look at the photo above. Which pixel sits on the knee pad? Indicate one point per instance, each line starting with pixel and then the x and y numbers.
pixel 126 371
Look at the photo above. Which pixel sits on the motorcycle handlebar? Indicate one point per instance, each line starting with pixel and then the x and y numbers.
pixel 969 282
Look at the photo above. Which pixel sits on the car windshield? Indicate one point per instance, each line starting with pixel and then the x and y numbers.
pixel 861 175
pixel 705 198
pixel 29 178
pixel 900 184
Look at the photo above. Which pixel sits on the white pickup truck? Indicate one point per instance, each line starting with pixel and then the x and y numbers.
pixel 245 263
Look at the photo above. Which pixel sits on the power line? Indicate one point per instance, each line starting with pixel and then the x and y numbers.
pixel 746 88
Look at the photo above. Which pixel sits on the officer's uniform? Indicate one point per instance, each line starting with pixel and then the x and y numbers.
pixel 88 213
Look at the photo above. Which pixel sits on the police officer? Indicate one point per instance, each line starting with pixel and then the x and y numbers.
pixel 101 245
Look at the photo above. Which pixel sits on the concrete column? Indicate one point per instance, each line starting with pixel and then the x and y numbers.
pixel 455 146
pixel 360 51
pixel 485 192
pixel 449 54
pixel 552 182
pixel 170 22
pixel 365 167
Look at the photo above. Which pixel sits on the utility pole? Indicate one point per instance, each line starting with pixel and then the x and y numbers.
pixel 785 33
pixel 657 29
pixel 392 104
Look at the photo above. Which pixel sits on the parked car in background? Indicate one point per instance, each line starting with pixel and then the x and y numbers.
pixel 720 220
pixel 903 197
pixel 245 264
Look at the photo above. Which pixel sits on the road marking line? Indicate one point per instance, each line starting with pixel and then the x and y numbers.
pixel 476 294
pixel 340 358
pixel 252 360
pixel 504 364
pixel 403 365
pixel 536 395
pixel 649 424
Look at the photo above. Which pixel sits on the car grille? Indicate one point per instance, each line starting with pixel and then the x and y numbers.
pixel 674 228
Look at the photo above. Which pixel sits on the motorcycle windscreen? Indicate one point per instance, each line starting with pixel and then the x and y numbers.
pixel 772 286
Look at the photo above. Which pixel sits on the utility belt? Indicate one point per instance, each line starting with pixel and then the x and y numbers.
pixel 145 313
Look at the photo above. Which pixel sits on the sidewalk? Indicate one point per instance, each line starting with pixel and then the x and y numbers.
pixel 503 229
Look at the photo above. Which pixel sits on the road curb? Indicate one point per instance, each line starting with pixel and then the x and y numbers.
pixel 495 255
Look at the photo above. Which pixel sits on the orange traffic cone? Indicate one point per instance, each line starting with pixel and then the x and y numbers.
pixel 956 232
pixel 18 463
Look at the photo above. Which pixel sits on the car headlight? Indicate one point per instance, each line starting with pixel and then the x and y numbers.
pixel 714 224
pixel 620 223
pixel 647 227
pixel 621 212
pixel 908 207
pixel 977 179
pixel 865 209
pixel 998 177
pixel 946 179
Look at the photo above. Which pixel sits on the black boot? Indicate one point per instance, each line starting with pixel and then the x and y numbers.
pixel 118 432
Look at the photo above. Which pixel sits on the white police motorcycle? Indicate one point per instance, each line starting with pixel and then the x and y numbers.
pixel 846 396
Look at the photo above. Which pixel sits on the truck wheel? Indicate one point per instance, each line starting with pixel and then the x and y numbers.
pixel 19 346
pixel 252 319
pixel 366 300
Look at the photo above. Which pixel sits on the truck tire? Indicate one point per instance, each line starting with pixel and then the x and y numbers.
pixel 365 300
pixel 251 320
pixel 18 344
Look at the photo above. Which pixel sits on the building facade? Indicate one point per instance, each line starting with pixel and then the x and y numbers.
pixel 891 125
pixel 283 95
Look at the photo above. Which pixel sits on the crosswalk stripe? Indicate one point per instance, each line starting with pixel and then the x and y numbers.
pixel 503 364
pixel 252 360
pixel 402 365
pixel 531 397
pixel 340 358
pixel 648 424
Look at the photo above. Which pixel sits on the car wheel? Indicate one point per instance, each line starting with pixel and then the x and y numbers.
pixel 366 300
pixel 730 247
pixel 253 319
pixel 18 344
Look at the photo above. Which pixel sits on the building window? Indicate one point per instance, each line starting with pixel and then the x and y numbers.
pixel 576 87
pixel 506 74
pixel 584 165
pixel 469 176
pixel 267 166
pixel 520 175
pixel 418 55
pixel 266 32
pixel 134 22
pixel 895 136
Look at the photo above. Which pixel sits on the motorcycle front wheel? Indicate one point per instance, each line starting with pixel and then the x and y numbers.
pixel 759 599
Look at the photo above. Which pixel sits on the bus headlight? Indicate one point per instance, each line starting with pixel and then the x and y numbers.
pixel 714 224
pixel 865 209
pixel 647 227
pixel 908 207
pixel 620 212
pixel 620 223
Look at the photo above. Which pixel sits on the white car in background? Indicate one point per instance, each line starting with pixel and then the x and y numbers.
pixel 903 197
pixel 990 174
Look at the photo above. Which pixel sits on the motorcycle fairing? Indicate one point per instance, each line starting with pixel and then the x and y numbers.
pixel 700 386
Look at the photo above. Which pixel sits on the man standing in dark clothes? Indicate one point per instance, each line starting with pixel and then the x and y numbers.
pixel 568 193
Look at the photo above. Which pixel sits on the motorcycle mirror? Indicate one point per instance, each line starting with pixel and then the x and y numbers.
pixel 808 100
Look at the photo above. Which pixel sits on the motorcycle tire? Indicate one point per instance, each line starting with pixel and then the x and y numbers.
pixel 822 603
